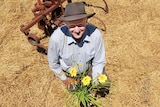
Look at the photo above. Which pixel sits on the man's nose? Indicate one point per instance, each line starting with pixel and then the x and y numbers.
pixel 77 30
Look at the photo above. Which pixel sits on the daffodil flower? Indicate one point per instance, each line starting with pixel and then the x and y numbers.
pixel 73 72
pixel 86 80
pixel 102 78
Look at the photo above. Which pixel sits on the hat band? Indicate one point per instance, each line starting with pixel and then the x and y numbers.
pixel 74 14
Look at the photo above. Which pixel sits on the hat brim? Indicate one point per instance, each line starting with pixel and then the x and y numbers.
pixel 76 17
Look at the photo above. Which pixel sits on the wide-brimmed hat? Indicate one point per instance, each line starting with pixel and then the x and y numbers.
pixel 74 11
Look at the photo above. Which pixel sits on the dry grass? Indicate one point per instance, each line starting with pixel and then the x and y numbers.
pixel 132 47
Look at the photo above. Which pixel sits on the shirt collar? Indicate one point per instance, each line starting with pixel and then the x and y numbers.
pixel 70 40
pixel 89 30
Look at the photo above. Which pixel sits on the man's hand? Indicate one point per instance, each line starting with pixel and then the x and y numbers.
pixel 67 82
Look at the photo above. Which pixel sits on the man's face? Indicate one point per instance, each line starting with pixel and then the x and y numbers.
pixel 77 27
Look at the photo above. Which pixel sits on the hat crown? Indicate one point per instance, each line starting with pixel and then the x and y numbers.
pixel 76 8
pixel 75 11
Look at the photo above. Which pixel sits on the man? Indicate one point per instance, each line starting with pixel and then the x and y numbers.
pixel 76 42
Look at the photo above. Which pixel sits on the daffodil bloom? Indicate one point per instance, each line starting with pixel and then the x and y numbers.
pixel 102 78
pixel 73 72
pixel 86 80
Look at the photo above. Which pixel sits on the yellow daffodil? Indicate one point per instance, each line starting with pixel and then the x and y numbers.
pixel 73 72
pixel 86 80
pixel 102 78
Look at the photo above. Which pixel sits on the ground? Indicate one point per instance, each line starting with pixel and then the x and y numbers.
pixel 132 41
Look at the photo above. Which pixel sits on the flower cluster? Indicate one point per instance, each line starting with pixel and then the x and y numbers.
pixel 84 89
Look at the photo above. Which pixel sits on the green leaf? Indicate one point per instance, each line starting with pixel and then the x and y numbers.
pixel 93 101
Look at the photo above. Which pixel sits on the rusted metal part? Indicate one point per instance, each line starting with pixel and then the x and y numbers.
pixel 106 8
pixel 33 39
pixel 40 16
pixel 46 13
pixel 42 49
pixel 101 23
pixel 51 8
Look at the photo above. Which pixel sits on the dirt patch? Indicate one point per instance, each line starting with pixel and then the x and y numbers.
pixel 132 43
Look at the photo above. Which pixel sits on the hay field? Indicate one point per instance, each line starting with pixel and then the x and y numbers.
pixel 132 43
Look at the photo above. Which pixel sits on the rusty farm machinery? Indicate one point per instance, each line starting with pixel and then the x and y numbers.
pixel 46 13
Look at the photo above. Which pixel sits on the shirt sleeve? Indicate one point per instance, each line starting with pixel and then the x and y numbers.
pixel 99 59
pixel 53 57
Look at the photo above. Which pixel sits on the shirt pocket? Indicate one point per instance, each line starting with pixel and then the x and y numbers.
pixel 67 58
pixel 89 56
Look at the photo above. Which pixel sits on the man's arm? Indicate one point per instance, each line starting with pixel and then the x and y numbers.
pixel 99 59
pixel 53 57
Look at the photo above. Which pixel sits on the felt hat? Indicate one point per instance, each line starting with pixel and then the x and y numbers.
pixel 75 11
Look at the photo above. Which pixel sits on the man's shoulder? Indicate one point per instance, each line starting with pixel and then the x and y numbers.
pixel 57 34
pixel 93 31
pixel 90 29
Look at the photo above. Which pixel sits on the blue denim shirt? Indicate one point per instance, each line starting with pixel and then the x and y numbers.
pixel 64 52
